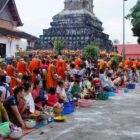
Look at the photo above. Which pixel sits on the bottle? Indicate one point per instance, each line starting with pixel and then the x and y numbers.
pixel 51 118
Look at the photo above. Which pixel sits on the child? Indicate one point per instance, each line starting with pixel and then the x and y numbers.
pixel 60 91
pixel 52 98
pixel 75 89
pixel 36 75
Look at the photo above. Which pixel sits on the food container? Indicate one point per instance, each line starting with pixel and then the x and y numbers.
pixel 85 103
pixel 111 94
pixel 16 133
pixel 131 86
pixel 69 107
pixel 57 110
pixel 30 124
pixel 120 91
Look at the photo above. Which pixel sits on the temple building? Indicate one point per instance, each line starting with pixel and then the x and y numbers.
pixel 11 38
pixel 78 26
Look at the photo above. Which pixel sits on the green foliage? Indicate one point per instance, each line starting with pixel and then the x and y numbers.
pixel 91 51
pixel 115 60
pixel 59 45
pixel 135 15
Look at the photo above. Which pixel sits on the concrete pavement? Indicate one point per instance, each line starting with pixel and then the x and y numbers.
pixel 115 119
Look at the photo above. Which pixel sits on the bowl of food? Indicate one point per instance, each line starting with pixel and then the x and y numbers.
pixel 60 118
pixel 30 124
pixel 85 103
pixel 16 133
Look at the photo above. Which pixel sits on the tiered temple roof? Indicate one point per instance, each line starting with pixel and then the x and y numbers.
pixel 13 9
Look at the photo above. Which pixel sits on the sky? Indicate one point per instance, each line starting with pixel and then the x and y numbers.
pixel 37 15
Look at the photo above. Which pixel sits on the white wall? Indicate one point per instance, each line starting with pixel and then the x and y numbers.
pixel 11 45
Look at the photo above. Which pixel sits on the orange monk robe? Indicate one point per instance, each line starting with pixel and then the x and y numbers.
pixel 126 62
pixel 101 64
pixel 138 63
pixel 65 65
pixel 34 64
pixel 11 72
pixel 109 64
pixel 33 78
pixel 134 65
pixel 50 81
pixel 126 66
pixel 60 69
pixel 77 62
pixel 120 65
pixel 22 68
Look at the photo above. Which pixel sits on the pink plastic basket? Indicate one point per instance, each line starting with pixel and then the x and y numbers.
pixel 119 91
pixel 85 103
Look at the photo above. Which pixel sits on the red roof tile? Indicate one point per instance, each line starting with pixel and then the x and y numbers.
pixel 132 49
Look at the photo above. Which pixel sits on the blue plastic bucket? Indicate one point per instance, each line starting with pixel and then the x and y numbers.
pixel 111 93
pixel 68 108
pixel 126 90
pixel 131 86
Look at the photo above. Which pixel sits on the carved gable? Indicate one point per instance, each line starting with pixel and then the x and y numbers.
pixel 6 15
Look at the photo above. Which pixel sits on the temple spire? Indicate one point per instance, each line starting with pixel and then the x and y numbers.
pixel 79 4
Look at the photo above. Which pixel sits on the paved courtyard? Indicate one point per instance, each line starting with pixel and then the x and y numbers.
pixel 115 119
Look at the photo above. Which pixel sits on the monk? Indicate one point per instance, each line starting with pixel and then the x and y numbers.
pixel 77 62
pixel 51 77
pixel 11 71
pixel 34 64
pixel 60 68
pixel 101 64
pixel 23 68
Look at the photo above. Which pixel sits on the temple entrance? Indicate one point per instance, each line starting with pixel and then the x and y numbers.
pixel 2 50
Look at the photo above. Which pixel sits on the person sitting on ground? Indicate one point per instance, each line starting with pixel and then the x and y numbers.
pixel 110 82
pixel 93 72
pixel 104 81
pixel 11 105
pixel 38 95
pixel 4 88
pixel 118 81
pixel 52 98
pixel 60 92
pixel 3 114
pixel 30 105
pixel 75 89
pixel 89 90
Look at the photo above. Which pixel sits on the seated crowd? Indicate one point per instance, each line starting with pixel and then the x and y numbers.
pixel 27 86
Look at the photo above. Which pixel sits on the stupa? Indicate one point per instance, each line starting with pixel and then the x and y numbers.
pixel 78 26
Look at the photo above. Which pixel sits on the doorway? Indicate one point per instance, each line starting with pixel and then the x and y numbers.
pixel 2 50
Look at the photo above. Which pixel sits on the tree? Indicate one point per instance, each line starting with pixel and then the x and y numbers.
pixel 91 51
pixel 135 20
pixel 115 61
pixel 59 45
